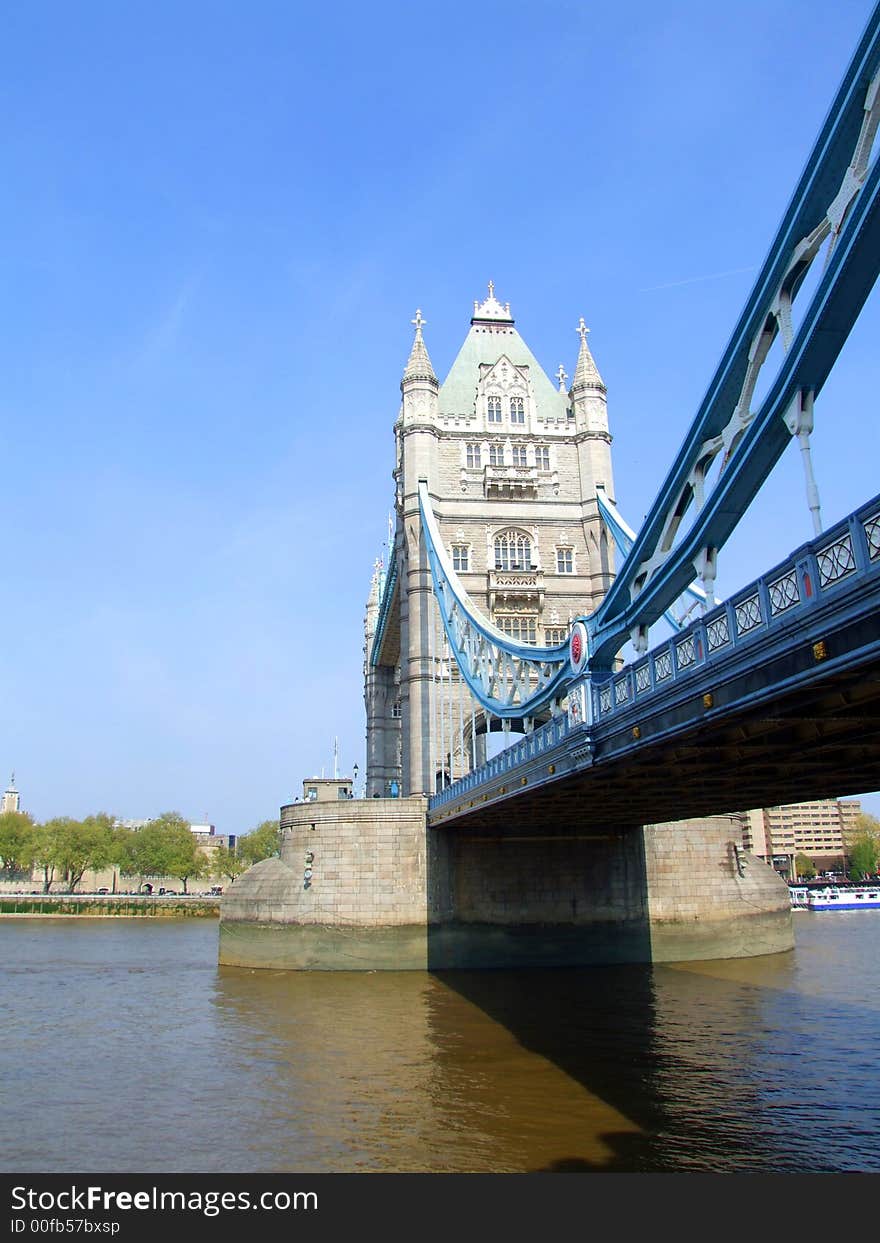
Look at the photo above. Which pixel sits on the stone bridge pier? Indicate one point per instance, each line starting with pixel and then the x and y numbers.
pixel 364 884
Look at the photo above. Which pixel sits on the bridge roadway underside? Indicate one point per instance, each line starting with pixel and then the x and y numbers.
pixel 817 735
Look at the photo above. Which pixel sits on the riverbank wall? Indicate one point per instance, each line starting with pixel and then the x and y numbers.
pixel 107 906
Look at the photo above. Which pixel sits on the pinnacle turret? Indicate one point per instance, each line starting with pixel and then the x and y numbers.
pixel 376 582
pixel 419 365
pixel 586 373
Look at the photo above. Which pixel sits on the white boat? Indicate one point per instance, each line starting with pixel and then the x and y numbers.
pixel 844 898
pixel 799 895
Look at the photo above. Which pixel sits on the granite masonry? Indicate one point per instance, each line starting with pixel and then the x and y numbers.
pixel 364 884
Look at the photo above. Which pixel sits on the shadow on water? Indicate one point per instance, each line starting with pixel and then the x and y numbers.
pixel 707 1066
pixel 590 1032
pixel 571 1070
pixel 744 1065
pixel 713 1066
pixel 752 1064
pixel 468 1072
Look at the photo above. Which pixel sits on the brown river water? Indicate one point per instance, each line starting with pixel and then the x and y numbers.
pixel 127 1049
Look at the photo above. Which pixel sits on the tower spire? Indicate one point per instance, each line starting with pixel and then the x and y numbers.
pixel 419 366
pixel 586 373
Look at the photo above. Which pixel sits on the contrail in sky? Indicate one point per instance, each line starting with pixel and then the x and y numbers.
pixel 713 276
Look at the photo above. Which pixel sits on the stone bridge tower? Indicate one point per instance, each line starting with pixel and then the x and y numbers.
pixel 512 461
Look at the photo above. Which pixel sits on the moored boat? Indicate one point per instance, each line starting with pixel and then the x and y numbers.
pixel 844 898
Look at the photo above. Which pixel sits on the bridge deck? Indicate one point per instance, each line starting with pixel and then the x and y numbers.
pixel 819 741
pixel 787 712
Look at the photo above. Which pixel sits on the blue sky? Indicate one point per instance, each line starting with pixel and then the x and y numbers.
pixel 218 221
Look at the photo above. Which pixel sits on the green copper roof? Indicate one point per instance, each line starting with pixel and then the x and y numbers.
pixel 458 392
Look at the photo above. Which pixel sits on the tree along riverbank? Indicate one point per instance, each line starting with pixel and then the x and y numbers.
pixel 130 906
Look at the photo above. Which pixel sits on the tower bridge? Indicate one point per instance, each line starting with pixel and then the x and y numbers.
pixel 506 605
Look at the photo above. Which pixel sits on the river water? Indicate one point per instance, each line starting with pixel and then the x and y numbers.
pixel 125 1048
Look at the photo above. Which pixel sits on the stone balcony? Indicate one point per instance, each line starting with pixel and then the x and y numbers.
pixel 516 590
pixel 510 482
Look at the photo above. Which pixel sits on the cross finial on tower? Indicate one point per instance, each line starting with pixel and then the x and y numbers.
pixel 419 364
pixel 561 377
pixel 586 374
pixel 490 310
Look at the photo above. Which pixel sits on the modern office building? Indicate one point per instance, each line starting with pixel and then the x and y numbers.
pixel 818 830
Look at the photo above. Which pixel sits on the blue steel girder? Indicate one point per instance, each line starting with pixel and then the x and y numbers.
pixel 836 199
pixel 624 538
pixel 387 604
pixel 509 679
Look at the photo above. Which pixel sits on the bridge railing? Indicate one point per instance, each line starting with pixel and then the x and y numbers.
pixel 542 739
pixel 844 552
pixel 840 556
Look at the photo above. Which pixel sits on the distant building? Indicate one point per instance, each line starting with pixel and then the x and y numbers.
pixel 109 879
pixel 209 839
pixel 206 835
pixel 11 798
pixel 818 830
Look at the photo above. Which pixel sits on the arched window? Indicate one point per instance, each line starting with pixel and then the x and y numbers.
pixel 517 410
pixel 513 551
pixel 494 409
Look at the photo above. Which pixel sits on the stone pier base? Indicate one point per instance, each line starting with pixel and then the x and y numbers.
pixel 365 885
pixel 708 898
pixel 349 892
